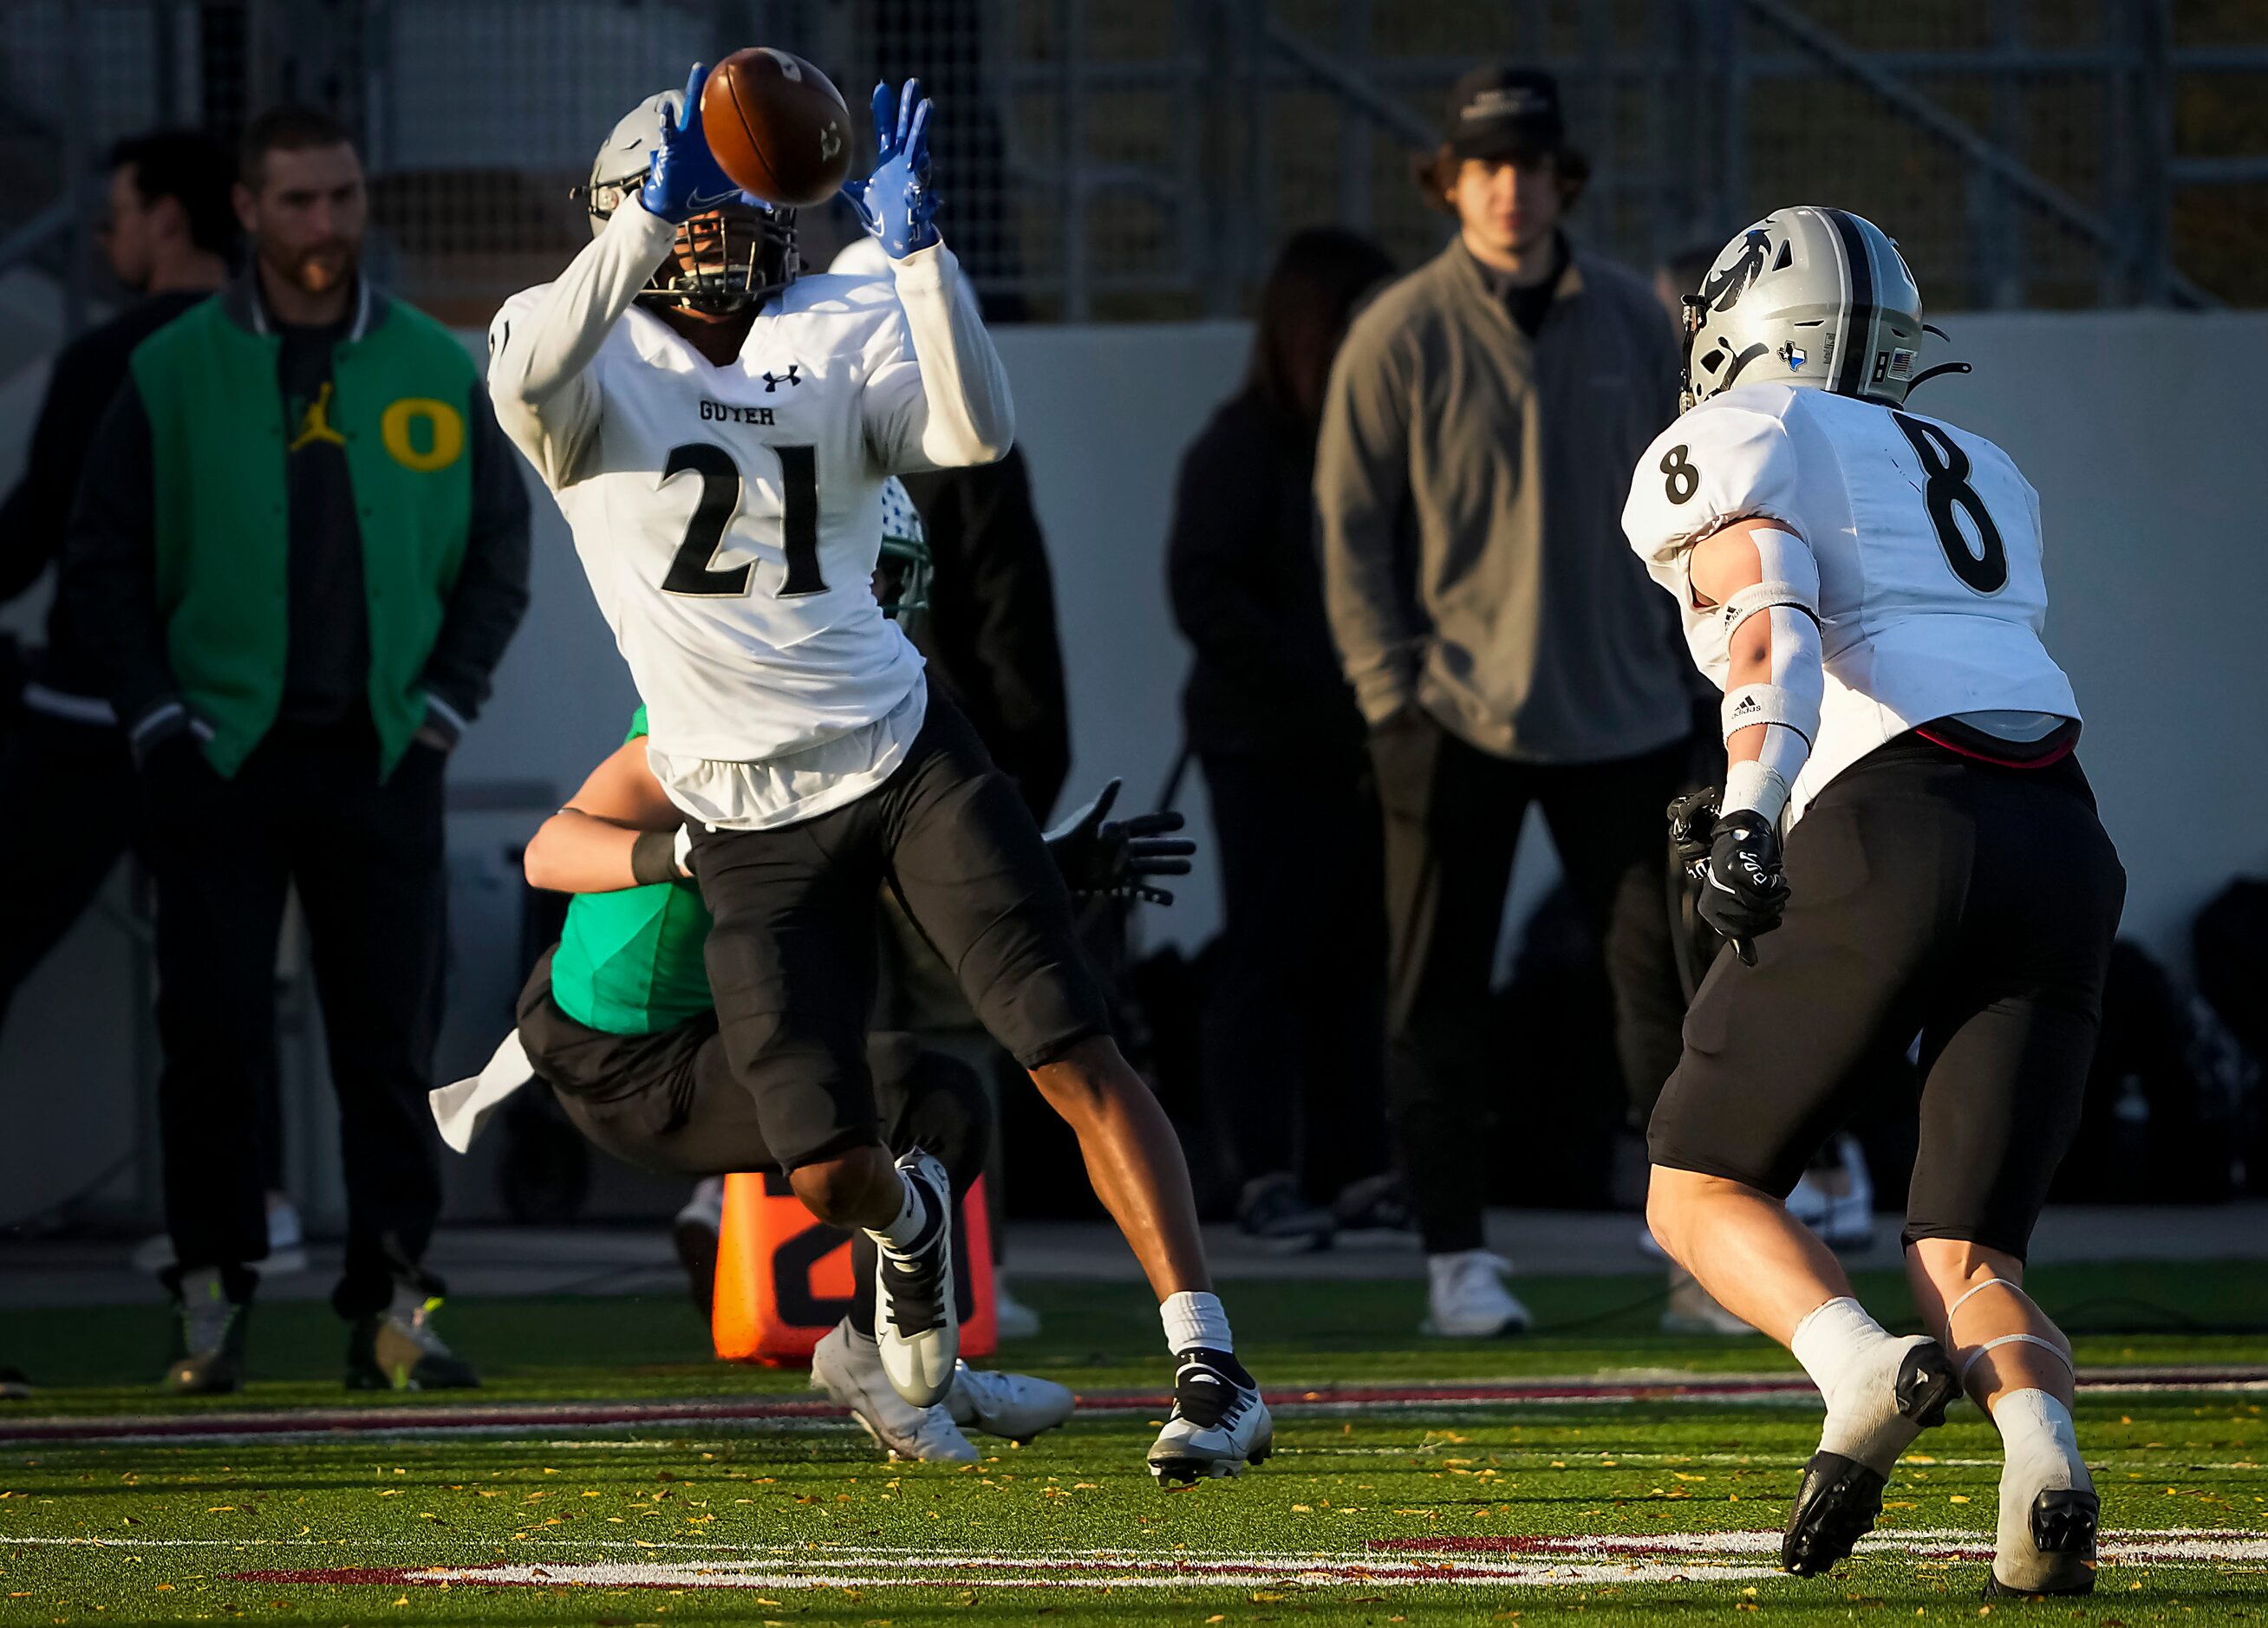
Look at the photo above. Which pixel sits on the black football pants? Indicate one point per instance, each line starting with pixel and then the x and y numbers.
pixel 1453 819
pixel 307 808
pixel 1295 1029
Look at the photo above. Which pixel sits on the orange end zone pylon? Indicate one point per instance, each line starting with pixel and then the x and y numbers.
pixel 783 1279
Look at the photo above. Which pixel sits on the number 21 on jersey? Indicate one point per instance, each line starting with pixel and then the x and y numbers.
pixel 694 571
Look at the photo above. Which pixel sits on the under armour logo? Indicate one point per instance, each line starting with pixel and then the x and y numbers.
pixel 773 381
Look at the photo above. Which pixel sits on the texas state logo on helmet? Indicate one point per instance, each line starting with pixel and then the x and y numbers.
pixel 1806 296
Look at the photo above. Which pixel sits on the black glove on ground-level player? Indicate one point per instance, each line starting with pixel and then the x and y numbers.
pixel 1742 892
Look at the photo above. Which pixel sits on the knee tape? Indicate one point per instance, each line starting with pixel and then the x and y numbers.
pixel 1977 1352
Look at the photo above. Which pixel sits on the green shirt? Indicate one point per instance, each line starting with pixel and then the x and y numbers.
pixel 629 962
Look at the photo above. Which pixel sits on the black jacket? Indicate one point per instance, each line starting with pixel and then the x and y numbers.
pixel 86 377
pixel 1247 591
pixel 991 633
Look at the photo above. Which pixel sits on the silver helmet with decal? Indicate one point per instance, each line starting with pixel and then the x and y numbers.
pixel 1807 296
pixel 727 259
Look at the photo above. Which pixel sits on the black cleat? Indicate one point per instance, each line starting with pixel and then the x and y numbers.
pixel 1835 1507
pixel 2064 1521
pixel 1840 1498
pixel 1927 1385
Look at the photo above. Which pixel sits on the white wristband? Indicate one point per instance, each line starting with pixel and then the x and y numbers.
pixel 1749 784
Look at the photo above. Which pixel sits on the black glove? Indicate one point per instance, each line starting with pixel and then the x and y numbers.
pixel 1111 857
pixel 1742 892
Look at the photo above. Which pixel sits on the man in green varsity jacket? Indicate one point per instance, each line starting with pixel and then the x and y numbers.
pixel 300 548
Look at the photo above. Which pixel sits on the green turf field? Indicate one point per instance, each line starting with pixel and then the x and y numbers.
pixel 1642 1504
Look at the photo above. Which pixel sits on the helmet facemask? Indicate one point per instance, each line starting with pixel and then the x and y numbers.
pixel 724 261
pixel 728 260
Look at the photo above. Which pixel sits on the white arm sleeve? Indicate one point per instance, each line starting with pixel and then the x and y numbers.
pixel 942 402
pixel 542 344
pixel 1788 701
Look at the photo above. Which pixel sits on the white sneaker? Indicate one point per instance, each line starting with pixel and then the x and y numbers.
pixel 916 1325
pixel 1692 1309
pixel 1467 1299
pixel 1012 1319
pixel 1018 1406
pixel 848 1367
pixel 1219 1424
pixel 1850 1222
pixel 1838 1205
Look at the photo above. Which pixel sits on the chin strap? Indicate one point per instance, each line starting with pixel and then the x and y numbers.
pixel 1928 374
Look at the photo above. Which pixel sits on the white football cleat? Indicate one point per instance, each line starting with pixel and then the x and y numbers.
pixel 1467 1299
pixel 1012 1319
pixel 1219 1424
pixel 848 1367
pixel 916 1324
pixel 1018 1406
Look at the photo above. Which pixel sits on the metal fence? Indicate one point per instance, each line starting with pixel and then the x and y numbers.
pixel 1123 159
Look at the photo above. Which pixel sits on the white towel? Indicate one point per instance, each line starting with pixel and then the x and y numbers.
pixel 461 1109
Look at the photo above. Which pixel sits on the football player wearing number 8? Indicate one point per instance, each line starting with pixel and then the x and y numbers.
pixel 718 431
pixel 1865 584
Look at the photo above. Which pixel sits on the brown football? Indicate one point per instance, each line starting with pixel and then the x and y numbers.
pixel 777 125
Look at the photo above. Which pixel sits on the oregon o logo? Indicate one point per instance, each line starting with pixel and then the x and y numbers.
pixel 443 434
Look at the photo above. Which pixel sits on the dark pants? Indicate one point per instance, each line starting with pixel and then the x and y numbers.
pixel 68 808
pixel 791 953
pixel 307 808
pixel 1295 1028
pixel 1928 894
pixel 1453 819
pixel 670 1101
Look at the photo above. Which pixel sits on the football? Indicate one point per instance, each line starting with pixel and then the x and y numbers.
pixel 777 125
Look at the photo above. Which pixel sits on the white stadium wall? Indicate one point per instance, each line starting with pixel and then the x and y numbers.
pixel 2140 429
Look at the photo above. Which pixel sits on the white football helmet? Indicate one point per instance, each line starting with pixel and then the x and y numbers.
pixel 1807 296
pixel 902 575
pixel 727 259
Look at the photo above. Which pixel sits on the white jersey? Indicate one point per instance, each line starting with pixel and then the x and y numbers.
pixel 1931 598
pixel 729 518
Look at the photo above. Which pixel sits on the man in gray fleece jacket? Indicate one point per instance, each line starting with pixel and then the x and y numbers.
pixel 1478 442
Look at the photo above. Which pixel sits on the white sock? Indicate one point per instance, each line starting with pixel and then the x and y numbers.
pixel 2041 1446
pixel 1855 1361
pixel 1194 1320
pixel 910 1231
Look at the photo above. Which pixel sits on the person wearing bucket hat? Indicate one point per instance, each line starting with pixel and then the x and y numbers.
pixel 1468 485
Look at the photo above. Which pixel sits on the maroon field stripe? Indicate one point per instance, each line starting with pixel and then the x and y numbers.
pixel 351 1421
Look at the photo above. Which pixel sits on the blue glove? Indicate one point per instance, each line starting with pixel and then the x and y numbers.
pixel 895 201
pixel 685 179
